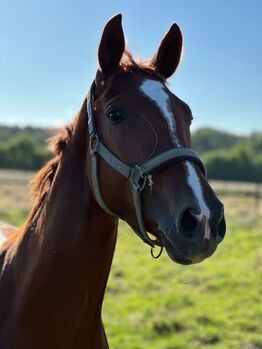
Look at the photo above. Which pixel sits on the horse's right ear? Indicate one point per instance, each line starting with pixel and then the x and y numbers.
pixel 112 45
pixel 167 58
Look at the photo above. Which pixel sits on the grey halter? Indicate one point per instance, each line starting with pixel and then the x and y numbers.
pixel 138 175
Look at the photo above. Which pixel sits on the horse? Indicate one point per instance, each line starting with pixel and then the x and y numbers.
pixel 127 154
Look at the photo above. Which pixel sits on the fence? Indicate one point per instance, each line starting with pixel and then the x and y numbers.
pixel 253 190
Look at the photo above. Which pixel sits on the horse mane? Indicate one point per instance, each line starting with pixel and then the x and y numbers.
pixel 130 65
pixel 41 183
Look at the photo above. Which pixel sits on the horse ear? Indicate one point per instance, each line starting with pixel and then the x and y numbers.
pixel 167 58
pixel 112 45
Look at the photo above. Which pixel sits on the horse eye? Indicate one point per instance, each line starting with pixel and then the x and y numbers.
pixel 114 116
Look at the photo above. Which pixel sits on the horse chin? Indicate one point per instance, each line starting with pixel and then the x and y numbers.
pixel 175 254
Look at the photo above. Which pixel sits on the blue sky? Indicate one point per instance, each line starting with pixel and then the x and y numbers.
pixel 49 56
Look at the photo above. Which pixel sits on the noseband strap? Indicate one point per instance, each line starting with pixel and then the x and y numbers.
pixel 138 175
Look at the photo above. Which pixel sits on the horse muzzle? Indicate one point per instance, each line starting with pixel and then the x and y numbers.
pixel 192 237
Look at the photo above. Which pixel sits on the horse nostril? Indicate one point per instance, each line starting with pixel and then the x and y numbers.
pixel 221 228
pixel 189 220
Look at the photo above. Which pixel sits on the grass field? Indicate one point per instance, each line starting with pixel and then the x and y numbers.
pixel 157 304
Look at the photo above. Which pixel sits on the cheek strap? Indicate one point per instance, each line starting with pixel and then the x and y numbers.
pixel 138 175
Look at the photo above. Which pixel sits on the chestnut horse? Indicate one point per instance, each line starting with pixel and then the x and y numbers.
pixel 126 155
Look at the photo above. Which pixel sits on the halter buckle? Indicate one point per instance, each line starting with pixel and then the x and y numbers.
pixel 135 177
pixel 93 143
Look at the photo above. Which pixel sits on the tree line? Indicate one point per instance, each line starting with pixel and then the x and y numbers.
pixel 227 156
pixel 24 148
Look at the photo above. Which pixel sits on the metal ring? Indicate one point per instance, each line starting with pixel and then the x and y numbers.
pixel 159 254
pixel 94 140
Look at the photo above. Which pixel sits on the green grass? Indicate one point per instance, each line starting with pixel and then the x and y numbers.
pixel 158 304
pixel 14 217
pixel 161 305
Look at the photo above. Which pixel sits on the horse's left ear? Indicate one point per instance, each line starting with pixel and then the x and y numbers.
pixel 167 58
pixel 112 45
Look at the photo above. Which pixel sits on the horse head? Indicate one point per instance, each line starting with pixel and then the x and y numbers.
pixel 142 168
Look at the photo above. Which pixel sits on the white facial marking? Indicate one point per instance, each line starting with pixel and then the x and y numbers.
pixel 194 183
pixel 155 91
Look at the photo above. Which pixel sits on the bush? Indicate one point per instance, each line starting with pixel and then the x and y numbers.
pixel 22 153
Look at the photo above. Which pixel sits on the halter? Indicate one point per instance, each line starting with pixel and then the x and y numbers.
pixel 138 175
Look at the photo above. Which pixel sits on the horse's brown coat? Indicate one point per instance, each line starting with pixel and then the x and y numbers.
pixel 53 271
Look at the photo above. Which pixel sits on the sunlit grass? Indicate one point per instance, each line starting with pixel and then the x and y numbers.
pixel 15 200
pixel 158 304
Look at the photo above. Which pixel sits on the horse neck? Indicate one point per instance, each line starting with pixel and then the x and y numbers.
pixel 65 255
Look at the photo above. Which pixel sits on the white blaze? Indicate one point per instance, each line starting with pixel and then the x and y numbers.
pixel 194 183
pixel 155 91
